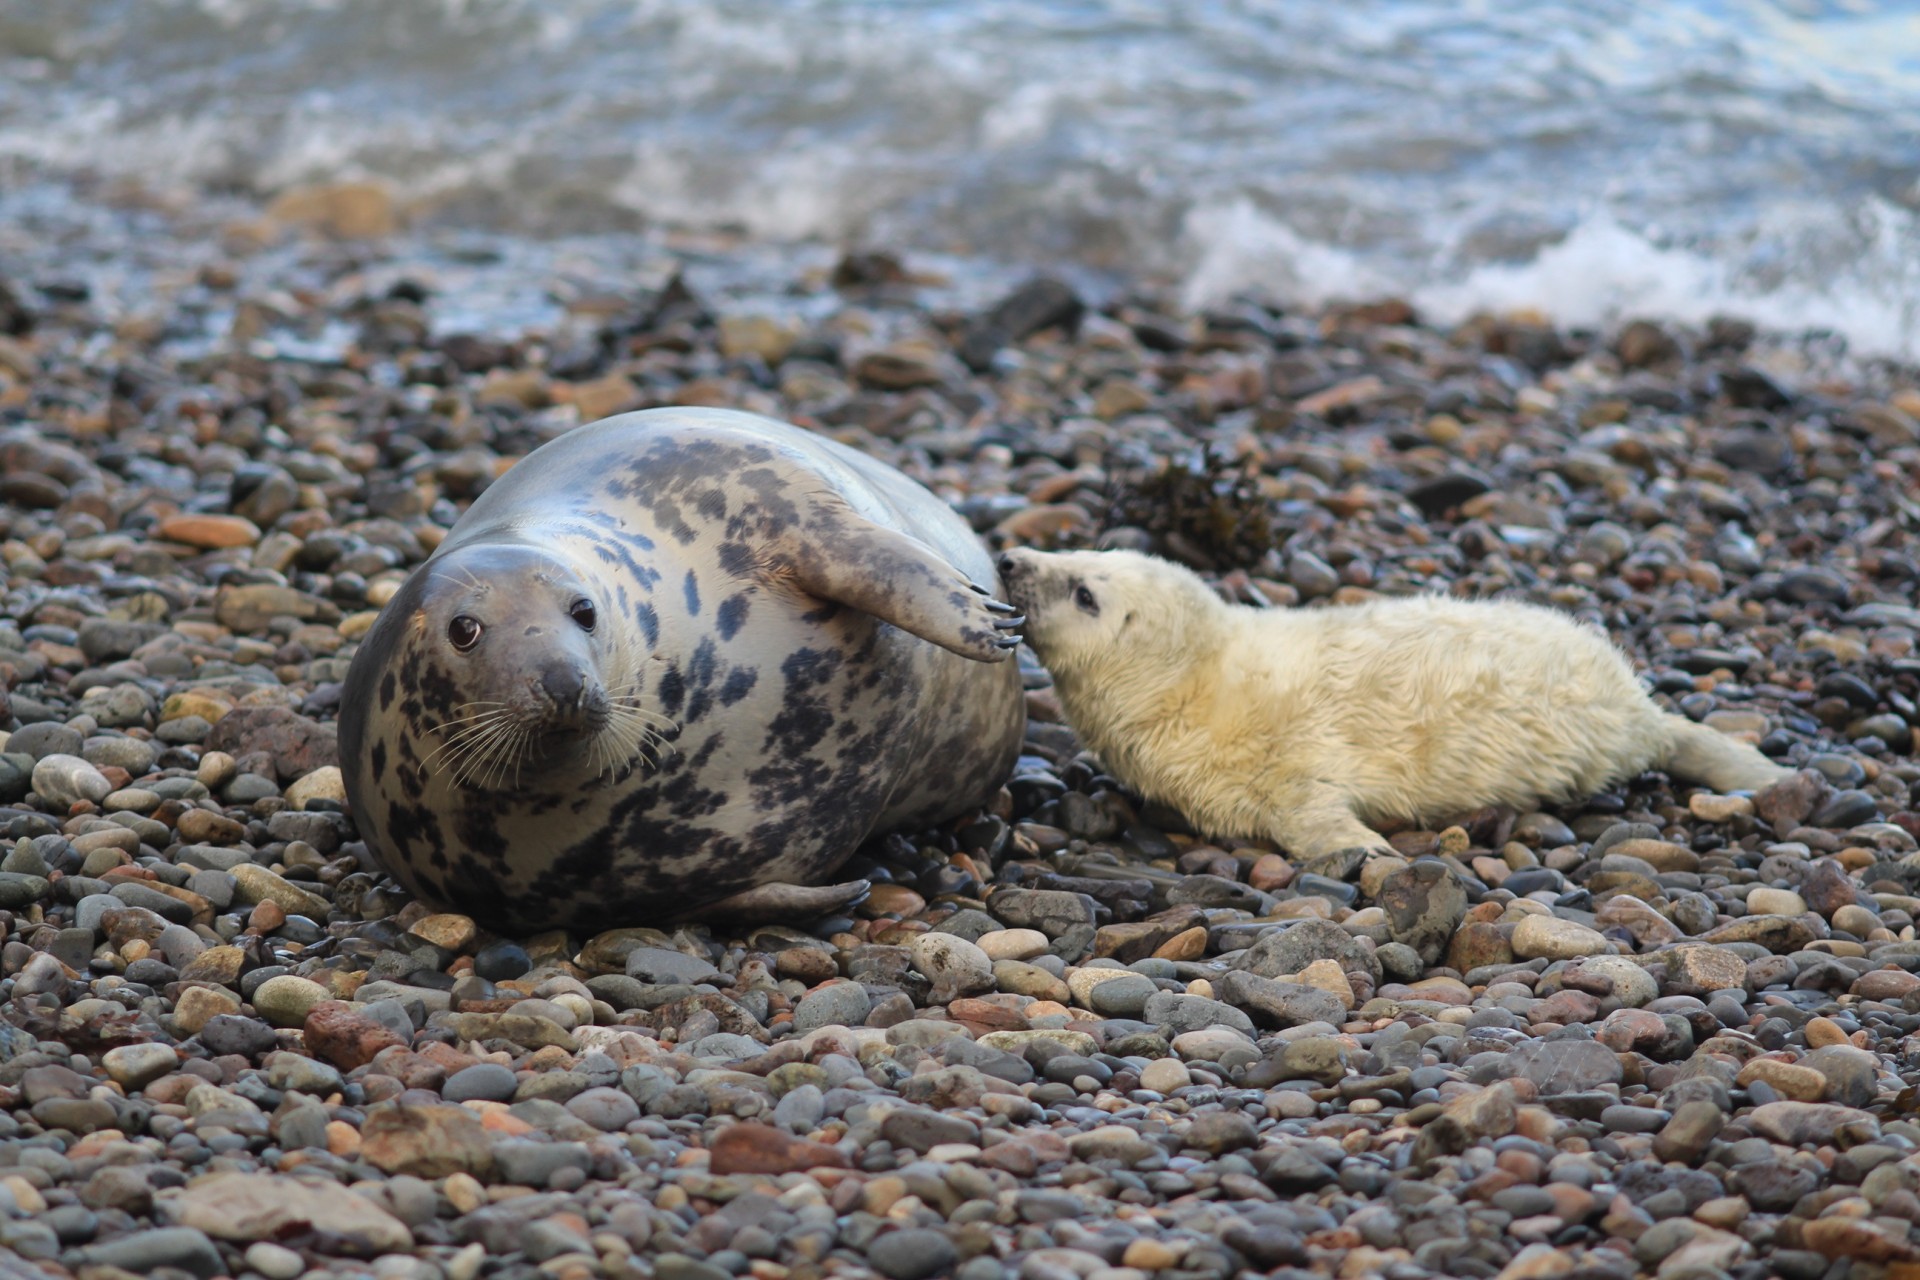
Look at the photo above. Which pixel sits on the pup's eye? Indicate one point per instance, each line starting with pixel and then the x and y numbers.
pixel 464 632
pixel 582 613
pixel 1084 598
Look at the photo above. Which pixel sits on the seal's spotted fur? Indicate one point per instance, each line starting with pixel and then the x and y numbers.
pixel 793 632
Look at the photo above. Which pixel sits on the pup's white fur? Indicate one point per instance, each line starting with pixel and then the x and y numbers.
pixel 1304 726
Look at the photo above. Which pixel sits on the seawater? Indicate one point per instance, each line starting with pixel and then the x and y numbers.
pixel 1591 160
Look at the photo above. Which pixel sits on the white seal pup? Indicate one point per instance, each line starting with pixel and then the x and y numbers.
pixel 1306 726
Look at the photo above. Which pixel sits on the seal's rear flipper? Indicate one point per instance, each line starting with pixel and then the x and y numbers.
pixel 846 558
pixel 777 902
pixel 1704 755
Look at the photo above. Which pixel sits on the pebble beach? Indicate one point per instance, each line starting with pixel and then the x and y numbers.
pixel 1661 1033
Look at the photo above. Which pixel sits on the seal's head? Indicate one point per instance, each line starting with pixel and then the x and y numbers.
pixel 515 672
pixel 1088 610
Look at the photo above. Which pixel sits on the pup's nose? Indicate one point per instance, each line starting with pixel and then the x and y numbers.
pixel 1007 564
pixel 563 685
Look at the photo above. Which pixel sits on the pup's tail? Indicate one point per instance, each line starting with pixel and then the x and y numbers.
pixel 1708 757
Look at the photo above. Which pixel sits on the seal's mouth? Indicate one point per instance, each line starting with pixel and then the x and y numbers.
pixel 631 735
pixel 593 733
pixel 1029 591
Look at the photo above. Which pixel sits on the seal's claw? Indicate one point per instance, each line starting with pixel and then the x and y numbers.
pixel 998 606
pixel 1008 642
pixel 1010 624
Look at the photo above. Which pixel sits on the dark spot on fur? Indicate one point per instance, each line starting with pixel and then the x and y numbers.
pixel 733 615
pixel 740 682
pixel 649 621
pixel 672 691
pixel 377 759
pixel 388 685
pixel 693 595
pixel 588 861
pixel 701 668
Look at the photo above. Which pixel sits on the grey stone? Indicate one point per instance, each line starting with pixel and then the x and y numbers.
pixel 1051 911
pixel 533 1164
pixel 65 780
pixel 1279 1004
pixel 659 965
pixel 834 1004
pixel 482 1082
pixel 1193 1013
pixel 1424 904
pixel 147 1251
pixel 1850 1073
pixel 922 1130
pixel 1289 950
pixel 1565 1066
pixel 607 1110
pixel 914 1253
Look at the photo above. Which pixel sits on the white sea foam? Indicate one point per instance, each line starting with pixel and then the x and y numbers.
pixel 1602 272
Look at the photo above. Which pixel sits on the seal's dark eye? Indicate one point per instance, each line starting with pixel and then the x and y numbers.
pixel 1084 598
pixel 464 632
pixel 582 613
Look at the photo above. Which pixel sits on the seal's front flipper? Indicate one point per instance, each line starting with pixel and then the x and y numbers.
pixel 852 561
pixel 774 902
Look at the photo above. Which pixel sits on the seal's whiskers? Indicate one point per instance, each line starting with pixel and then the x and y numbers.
pixel 633 732
pixel 474 741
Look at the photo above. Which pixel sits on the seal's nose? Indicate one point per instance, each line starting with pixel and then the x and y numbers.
pixel 1006 564
pixel 562 684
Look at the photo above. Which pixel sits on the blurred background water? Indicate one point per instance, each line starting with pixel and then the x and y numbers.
pixel 1593 159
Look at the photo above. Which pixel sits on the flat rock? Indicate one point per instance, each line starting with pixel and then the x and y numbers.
pixel 759 1148
pixel 257 1206
pixel 1287 951
pixel 430 1141
pixel 1552 938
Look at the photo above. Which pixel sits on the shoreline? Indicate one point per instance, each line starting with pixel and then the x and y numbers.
pixel 1655 1033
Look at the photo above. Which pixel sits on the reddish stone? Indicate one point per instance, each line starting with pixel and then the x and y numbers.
pixel 445 1056
pixel 296 745
pixel 411 1069
pixel 347 1039
pixel 1023 1156
pixel 208 531
pixel 1270 873
pixel 1565 1007
pixel 1828 887
pixel 1890 985
pixel 759 1148
pixel 981 1015
pixel 1789 802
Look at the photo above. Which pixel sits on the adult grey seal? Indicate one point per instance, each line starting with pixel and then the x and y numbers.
pixel 674 660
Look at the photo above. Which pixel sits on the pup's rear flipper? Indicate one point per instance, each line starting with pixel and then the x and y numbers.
pixel 1712 759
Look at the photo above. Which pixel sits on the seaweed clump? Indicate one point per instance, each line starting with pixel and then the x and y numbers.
pixel 1203 509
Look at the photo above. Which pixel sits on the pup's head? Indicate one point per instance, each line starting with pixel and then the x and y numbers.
pixel 1085 609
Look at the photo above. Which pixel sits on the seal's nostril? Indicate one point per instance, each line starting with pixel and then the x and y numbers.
pixel 562 684
pixel 1006 566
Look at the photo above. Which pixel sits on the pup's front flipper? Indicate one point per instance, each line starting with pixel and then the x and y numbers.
pixel 1314 822
pixel 770 903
